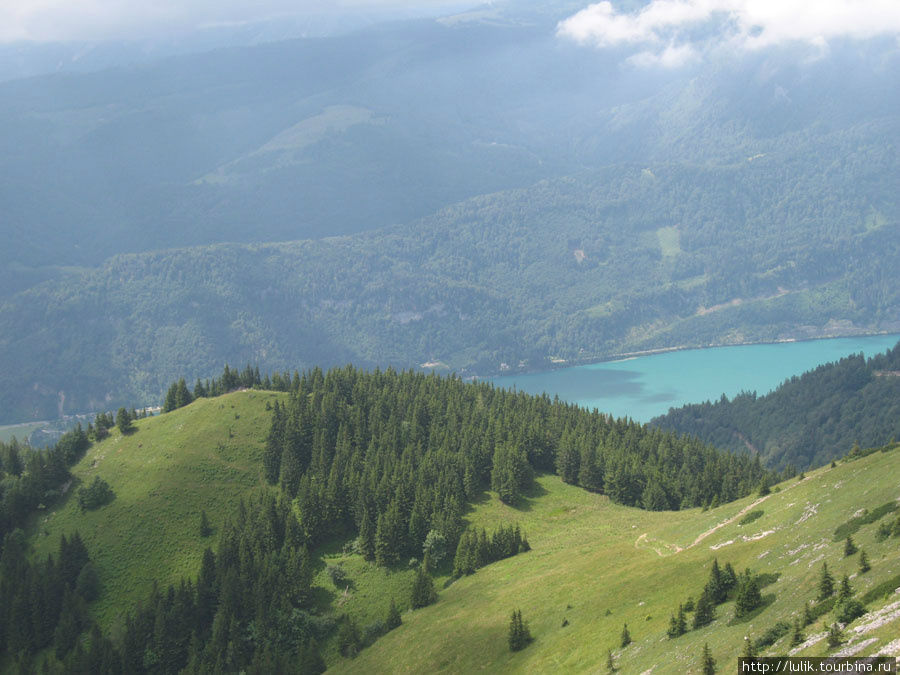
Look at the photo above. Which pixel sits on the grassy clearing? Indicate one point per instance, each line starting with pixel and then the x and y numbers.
pixel 204 456
pixel 669 241
pixel 597 566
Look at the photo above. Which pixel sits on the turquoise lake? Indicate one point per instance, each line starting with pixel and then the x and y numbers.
pixel 646 386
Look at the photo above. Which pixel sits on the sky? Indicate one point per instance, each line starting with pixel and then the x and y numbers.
pixel 674 32
pixel 87 20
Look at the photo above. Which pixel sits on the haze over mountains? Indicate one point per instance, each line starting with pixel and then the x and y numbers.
pixel 621 199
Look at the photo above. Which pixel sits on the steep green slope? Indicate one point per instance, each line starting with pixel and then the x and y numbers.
pixel 620 259
pixel 206 456
pixel 598 566
pixel 807 420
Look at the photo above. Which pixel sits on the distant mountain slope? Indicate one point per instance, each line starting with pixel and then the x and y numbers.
pixel 792 244
pixel 248 144
pixel 809 419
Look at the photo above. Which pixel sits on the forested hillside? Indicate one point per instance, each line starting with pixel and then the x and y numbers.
pixel 808 420
pixel 581 268
pixel 262 532
pixel 383 465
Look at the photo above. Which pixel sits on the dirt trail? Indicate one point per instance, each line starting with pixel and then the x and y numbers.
pixel 712 530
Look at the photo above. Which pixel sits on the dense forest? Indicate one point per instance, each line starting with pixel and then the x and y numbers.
pixel 808 420
pixel 610 261
pixel 390 461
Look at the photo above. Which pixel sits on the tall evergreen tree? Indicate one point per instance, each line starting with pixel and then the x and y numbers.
pixel 626 637
pixel 393 619
pixel 707 662
pixel 519 635
pixel 748 595
pixel 849 547
pixel 826 583
pixel 704 612
pixel 423 593
pixel 863 562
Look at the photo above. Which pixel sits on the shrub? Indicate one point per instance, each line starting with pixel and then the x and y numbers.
pixel 95 495
pixel 750 517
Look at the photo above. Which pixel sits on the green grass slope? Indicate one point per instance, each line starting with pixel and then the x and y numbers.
pixel 205 456
pixel 599 566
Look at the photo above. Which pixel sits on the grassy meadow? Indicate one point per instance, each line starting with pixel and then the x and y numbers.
pixel 201 457
pixel 598 566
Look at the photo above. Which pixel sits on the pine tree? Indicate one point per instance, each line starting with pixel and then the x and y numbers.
pixel 749 648
pixel 519 635
pixel 349 640
pixel 367 536
pixel 863 562
pixel 715 588
pixel 677 624
pixel 797 634
pixel 835 636
pixel 610 664
pixel 807 614
pixel 672 631
pixel 707 662
pixel 748 595
pixel 123 421
pixel 849 547
pixel 423 593
pixel 826 583
pixel 845 591
pixel 626 636
pixel 205 527
pixel 393 619
pixel 705 613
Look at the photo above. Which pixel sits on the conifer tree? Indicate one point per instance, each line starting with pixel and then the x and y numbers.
pixel 610 663
pixel 349 640
pixel 626 636
pixel 748 595
pixel 205 527
pixel 672 631
pixel 123 421
pixel 749 648
pixel 393 619
pixel 849 547
pixel 707 662
pixel 367 537
pixel 715 588
pixel 423 593
pixel 826 583
pixel 845 591
pixel 863 562
pixel 797 636
pixel 835 636
pixel 519 635
pixel 807 614
pixel 704 613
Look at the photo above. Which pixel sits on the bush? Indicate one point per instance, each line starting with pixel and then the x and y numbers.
pixel 769 638
pixel 848 610
pixel 372 631
pixel 95 495
pixel 338 575
pixel 750 517
pixel 851 526
pixel 882 590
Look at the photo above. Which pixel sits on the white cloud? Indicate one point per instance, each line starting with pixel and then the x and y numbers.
pixel 665 31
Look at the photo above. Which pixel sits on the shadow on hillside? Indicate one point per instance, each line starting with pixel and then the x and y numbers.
pixel 526 502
